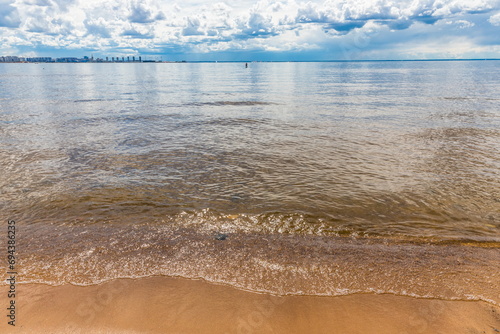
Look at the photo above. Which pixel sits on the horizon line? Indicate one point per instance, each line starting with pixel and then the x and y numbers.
pixel 245 61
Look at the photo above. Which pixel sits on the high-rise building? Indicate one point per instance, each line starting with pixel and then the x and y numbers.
pixel 11 59
pixel 39 59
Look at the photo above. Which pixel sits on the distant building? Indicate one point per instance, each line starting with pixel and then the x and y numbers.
pixel 85 59
pixel 11 59
pixel 39 59
pixel 67 60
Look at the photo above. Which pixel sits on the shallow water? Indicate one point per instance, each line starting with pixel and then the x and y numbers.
pixel 329 178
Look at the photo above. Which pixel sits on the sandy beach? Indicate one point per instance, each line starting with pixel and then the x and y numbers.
pixel 175 305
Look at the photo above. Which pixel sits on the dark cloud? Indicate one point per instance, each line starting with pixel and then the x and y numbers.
pixel 41 22
pixel 42 3
pixel 400 24
pixel 9 16
pixel 60 5
pixel 135 34
pixel 427 19
pixel 192 28
pixel 141 14
pixel 347 26
pixel 97 28
pixel 37 27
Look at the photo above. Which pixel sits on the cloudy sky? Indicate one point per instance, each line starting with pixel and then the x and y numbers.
pixel 252 30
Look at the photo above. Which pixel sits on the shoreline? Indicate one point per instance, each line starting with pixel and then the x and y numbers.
pixel 276 264
pixel 179 305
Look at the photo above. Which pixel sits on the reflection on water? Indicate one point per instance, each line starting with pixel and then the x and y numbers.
pixel 378 148
pixel 400 150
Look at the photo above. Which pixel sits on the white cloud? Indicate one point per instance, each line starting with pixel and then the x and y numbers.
pixel 258 25
pixel 266 25
pixel 495 19
pixel 461 24
pixel 350 14
pixel 138 31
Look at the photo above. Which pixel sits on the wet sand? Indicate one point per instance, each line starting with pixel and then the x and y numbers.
pixel 175 305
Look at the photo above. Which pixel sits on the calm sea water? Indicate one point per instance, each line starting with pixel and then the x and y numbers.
pixel 324 176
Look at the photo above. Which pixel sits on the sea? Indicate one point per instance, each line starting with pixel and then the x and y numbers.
pixel 287 178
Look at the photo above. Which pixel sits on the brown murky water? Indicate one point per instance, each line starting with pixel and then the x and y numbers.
pixel 327 178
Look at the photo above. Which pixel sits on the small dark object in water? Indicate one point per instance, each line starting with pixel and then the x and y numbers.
pixel 221 236
pixel 236 198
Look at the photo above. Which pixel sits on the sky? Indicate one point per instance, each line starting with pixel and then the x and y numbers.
pixel 272 30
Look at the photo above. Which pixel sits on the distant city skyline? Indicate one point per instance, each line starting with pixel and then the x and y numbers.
pixel 84 59
pixel 266 30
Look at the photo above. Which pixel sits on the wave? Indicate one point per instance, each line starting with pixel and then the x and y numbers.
pixel 276 263
pixel 230 103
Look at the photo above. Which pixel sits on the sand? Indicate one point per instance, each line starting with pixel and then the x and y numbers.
pixel 175 305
